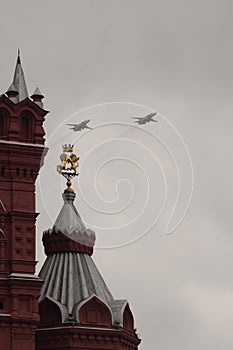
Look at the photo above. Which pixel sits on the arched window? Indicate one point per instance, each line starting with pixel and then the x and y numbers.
pixel 3 124
pixel 94 311
pixel 50 312
pixel 26 126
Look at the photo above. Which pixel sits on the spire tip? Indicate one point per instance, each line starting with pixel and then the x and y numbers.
pixel 18 57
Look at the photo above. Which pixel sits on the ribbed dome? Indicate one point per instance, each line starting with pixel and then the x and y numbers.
pixel 69 273
pixel 72 277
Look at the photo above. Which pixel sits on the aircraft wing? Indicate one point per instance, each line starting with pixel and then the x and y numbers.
pixel 88 127
pixel 139 118
pixel 72 124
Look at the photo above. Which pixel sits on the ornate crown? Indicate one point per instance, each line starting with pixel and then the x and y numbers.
pixel 67 148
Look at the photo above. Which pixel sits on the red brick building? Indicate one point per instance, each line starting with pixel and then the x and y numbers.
pixel 21 156
pixel 76 308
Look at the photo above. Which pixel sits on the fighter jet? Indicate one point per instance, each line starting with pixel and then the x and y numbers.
pixel 80 126
pixel 148 118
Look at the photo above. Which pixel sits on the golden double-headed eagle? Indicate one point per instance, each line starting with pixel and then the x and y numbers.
pixel 68 163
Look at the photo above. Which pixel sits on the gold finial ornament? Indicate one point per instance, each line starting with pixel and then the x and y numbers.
pixel 68 166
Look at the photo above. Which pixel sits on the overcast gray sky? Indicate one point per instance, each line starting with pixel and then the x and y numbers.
pixel 172 56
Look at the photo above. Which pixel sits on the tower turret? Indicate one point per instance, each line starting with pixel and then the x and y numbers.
pixel 37 97
pixel 21 155
pixel 76 307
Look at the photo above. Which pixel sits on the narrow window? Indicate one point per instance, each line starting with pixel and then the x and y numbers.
pixel 1 305
pixel 3 124
pixel 25 128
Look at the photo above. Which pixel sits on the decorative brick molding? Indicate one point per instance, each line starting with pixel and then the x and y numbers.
pixel 57 242
pixel 85 338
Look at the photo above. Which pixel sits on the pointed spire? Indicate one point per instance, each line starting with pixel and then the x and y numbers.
pixel 37 93
pixel 37 97
pixel 19 80
pixel 18 58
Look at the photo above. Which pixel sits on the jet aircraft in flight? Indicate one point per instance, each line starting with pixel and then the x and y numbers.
pixel 80 126
pixel 146 119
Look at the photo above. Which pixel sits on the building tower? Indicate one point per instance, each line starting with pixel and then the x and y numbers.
pixel 21 156
pixel 76 307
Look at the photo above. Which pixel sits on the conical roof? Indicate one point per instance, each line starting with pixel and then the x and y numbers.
pixel 19 80
pixel 37 93
pixel 69 221
pixel 69 273
pixel 74 291
pixel 69 233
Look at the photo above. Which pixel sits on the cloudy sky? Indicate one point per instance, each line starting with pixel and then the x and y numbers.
pixel 174 57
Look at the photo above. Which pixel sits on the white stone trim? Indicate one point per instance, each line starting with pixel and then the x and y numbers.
pixel 22 143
